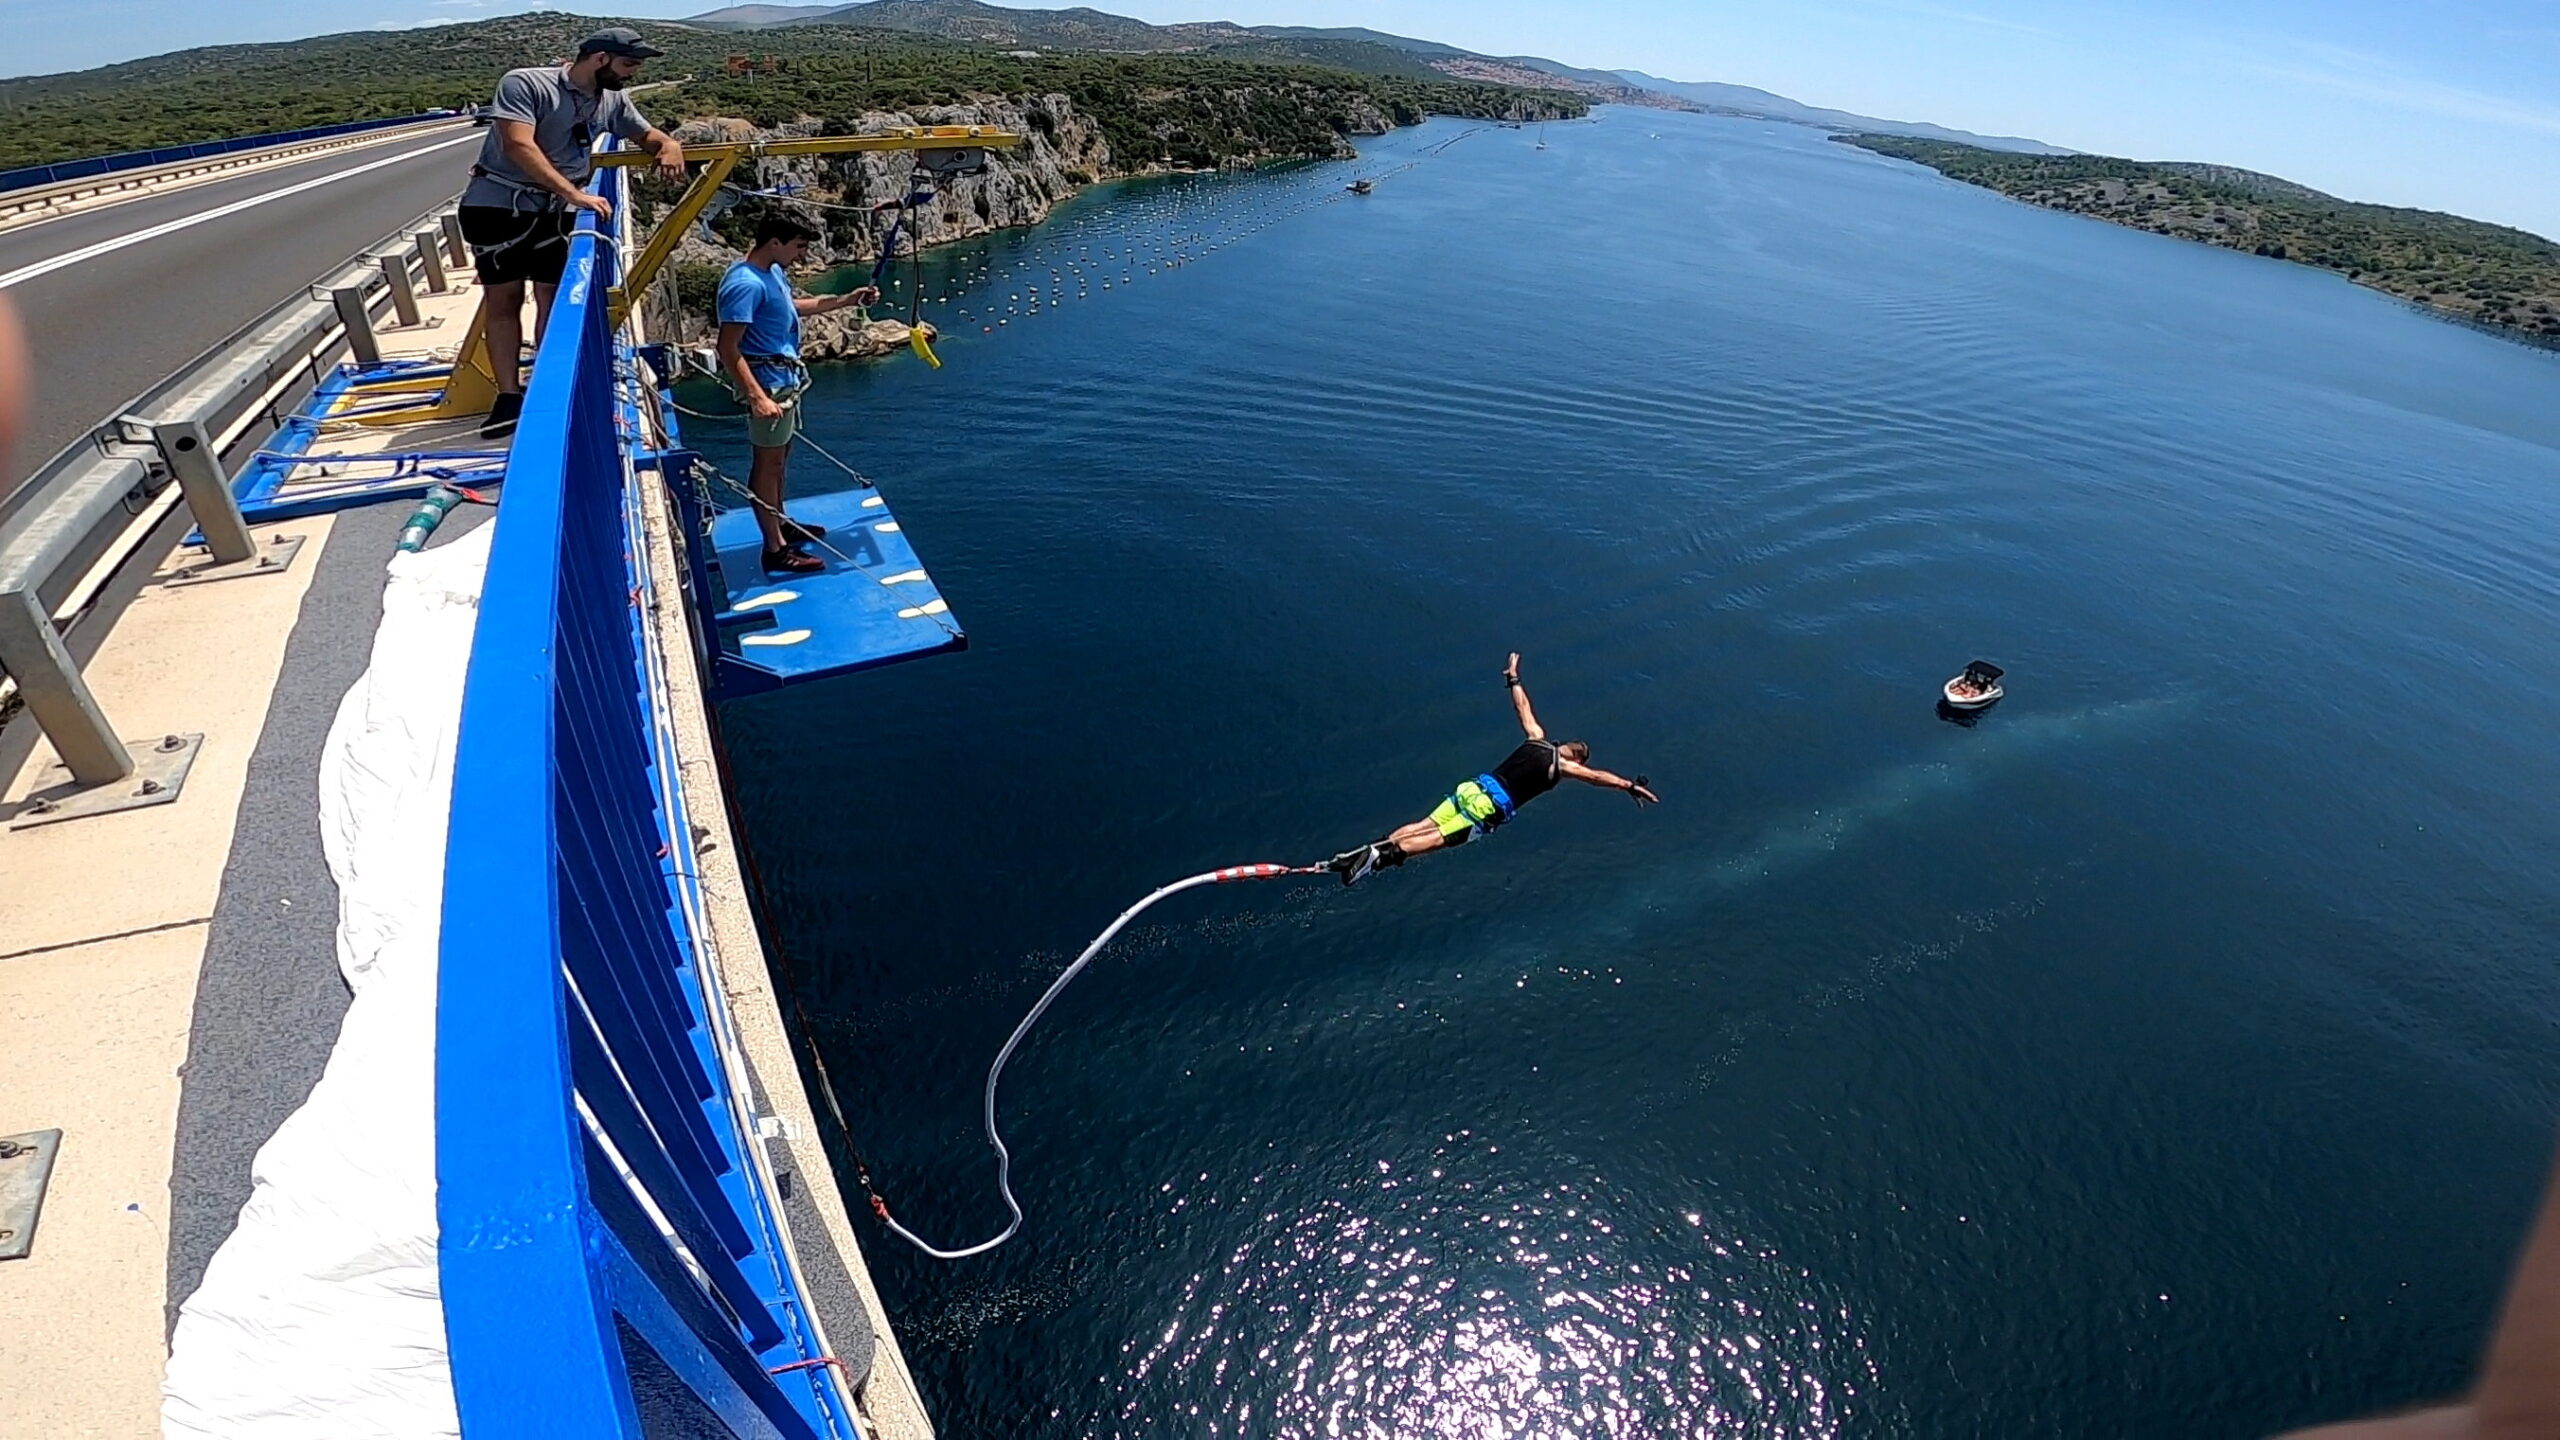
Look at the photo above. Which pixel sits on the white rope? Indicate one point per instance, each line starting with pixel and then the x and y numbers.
pixel 1004 1157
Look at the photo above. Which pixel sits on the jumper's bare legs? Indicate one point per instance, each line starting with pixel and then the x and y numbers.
pixel 1418 837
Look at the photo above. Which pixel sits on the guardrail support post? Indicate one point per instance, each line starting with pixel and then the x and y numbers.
pixel 430 262
pixel 404 296
pixel 188 452
pixel 31 651
pixel 456 253
pixel 359 322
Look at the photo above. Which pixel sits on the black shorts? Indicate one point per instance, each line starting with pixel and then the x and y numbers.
pixel 511 245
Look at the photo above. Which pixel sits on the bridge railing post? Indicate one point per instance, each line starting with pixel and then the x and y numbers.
pixel 353 314
pixel 404 295
pixel 50 686
pixel 188 452
pixel 430 261
pixel 456 253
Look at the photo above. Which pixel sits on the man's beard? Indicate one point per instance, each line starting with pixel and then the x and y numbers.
pixel 607 80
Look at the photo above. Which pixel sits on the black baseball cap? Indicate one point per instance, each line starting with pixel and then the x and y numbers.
pixel 619 40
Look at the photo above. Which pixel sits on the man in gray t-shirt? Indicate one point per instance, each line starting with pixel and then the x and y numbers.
pixel 530 183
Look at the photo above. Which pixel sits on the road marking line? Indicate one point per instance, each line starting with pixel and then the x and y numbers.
pixel 20 211
pixel 91 252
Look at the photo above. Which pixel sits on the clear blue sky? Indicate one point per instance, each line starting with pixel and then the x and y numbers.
pixel 2449 104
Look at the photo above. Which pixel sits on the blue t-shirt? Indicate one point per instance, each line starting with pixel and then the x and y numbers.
pixel 761 301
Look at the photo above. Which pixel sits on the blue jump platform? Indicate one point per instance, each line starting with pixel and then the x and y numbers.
pixel 874 605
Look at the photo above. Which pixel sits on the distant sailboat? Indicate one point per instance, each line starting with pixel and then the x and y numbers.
pixel 1542 135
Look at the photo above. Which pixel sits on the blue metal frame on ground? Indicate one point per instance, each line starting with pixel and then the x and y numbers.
pixel 605 1212
pixel 267 487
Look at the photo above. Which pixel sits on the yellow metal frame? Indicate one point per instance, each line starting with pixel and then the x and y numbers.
pixel 473 385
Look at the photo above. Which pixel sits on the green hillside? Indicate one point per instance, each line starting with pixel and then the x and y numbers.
pixel 1183 108
pixel 1085 29
pixel 2505 279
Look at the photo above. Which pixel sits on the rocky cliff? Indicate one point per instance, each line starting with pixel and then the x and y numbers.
pixel 1063 151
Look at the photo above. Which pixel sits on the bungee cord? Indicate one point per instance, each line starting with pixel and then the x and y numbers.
pixel 995 1073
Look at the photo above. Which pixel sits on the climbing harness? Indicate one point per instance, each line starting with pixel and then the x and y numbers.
pixel 539 215
pixel 1004 1157
pixel 865 481
pixel 798 369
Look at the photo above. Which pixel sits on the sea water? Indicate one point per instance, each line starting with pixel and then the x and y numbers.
pixel 2170 1053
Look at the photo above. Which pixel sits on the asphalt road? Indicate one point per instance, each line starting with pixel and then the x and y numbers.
pixel 106 326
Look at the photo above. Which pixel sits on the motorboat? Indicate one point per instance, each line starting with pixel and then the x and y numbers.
pixel 1361 186
pixel 1977 688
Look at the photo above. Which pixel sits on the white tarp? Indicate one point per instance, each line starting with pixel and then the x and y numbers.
pixel 320 1317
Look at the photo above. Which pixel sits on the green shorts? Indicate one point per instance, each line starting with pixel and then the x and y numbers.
pixel 778 431
pixel 1466 809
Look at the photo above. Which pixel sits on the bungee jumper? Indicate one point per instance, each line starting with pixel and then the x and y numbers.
pixel 1482 803
pixel 1487 802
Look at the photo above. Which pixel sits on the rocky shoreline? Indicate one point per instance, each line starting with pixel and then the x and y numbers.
pixel 1063 152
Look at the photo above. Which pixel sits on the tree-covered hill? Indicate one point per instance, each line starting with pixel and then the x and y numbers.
pixel 827 71
pixel 2505 279
pixel 1180 109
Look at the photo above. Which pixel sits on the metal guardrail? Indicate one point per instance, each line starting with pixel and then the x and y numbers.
pixel 610 1262
pixel 29 176
pixel 74 515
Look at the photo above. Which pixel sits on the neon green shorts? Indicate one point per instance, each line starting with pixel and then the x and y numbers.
pixel 778 431
pixel 1466 808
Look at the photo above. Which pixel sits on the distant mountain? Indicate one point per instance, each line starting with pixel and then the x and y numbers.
pixel 752 17
pixel 1350 48
pixel 1743 100
pixel 1364 36
pixel 1081 28
pixel 1087 29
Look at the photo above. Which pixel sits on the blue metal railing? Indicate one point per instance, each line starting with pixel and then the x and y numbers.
pixel 611 1263
pixel 62 170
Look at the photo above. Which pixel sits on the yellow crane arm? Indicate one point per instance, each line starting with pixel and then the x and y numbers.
pixel 473 384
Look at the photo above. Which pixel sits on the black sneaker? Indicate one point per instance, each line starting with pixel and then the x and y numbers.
pixel 502 416
pixel 801 532
pixel 1355 866
pixel 792 560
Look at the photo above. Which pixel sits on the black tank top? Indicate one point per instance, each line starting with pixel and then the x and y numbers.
pixel 1528 772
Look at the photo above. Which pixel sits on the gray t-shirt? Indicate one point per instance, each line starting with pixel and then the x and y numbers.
pixel 565 121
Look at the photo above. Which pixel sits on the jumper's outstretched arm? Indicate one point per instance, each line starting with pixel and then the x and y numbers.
pixel 1608 780
pixel 1520 700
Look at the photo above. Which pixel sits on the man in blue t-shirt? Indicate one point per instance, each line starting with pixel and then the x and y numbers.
pixel 760 358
